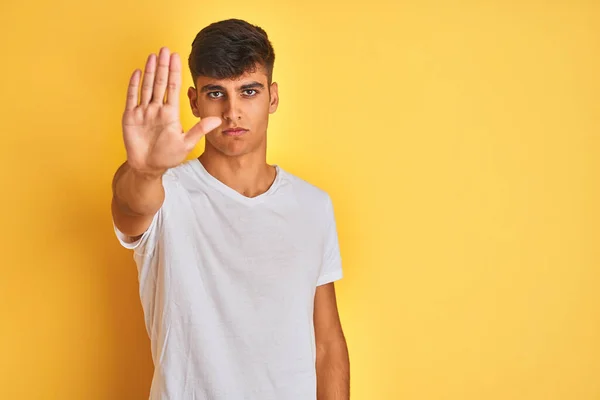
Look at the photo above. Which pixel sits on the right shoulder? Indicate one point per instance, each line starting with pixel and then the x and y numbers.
pixel 180 173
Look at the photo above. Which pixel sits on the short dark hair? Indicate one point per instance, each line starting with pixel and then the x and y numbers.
pixel 228 49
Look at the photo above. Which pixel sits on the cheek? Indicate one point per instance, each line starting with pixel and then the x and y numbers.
pixel 257 111
pixel 206 108
pixel 260 110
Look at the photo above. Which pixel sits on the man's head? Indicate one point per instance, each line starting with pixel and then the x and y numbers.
pixel 231 63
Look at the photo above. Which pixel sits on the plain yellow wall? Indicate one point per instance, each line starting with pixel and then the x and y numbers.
pixel 458 140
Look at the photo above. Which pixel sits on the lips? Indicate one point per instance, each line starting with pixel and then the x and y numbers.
pixel 235 131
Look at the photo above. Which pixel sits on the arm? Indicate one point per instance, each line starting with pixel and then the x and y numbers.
pixel 154 142
pixel 333 363
pixel 136 198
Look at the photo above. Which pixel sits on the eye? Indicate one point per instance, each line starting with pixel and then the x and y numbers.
pixel 215 95
pixel 250 94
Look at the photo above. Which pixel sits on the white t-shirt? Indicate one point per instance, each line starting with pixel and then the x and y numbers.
pixel 227 286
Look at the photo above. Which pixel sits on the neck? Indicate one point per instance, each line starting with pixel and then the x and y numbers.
pixel 250 175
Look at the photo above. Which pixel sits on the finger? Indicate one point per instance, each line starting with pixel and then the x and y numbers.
pixel 162 74
pixel 132 91
pixel 148 81
pixel 200 129
pixel 174 84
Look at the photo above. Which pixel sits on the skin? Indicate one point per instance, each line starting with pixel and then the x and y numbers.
pixel 333 362
pixel 243 102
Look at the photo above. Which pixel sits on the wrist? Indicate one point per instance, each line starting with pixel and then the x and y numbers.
pixel 145 173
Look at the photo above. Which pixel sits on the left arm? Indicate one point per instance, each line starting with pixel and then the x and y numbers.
pixel 333 363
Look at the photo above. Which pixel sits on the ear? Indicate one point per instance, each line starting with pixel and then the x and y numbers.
pixel 274 97
pixel 192 96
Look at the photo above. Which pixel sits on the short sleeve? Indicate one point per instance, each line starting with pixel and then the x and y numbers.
pixel 144 244
pixel 331 268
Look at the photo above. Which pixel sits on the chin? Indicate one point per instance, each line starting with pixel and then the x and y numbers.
pixel 234 146
pixel 235 149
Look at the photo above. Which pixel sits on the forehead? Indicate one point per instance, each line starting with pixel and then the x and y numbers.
pixel 259 75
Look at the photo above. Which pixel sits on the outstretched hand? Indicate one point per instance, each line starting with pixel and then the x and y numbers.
pixel 152 131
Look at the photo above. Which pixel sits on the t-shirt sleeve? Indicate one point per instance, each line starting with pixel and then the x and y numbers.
pixel 331 268
pixel 144 244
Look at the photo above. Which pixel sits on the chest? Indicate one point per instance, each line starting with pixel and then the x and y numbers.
pixel 261 246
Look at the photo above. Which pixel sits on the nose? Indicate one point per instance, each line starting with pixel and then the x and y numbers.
pixel 232 111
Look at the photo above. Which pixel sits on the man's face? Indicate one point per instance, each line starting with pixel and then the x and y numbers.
pixel 243 104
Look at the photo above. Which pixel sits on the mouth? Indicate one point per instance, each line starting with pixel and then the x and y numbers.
pixel 235 131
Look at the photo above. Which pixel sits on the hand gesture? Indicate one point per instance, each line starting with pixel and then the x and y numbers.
pixel 152 131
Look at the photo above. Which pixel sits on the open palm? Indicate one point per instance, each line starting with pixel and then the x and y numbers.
pixel 152 131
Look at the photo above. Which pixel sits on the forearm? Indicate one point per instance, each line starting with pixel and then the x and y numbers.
pixel 137 194
pixel 333 372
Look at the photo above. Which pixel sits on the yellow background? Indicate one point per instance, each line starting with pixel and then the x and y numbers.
pixel 458 140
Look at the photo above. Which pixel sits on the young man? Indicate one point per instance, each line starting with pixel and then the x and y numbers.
pixel 236 258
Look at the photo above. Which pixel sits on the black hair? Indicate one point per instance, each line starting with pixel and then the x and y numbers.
pixel 228 49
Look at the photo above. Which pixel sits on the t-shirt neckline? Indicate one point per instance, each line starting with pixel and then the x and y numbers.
pixel 230 192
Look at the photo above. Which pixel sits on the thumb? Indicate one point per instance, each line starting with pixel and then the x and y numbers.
pixel 206 125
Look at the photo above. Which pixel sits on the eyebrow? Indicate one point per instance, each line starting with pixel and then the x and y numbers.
pixel 251 85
